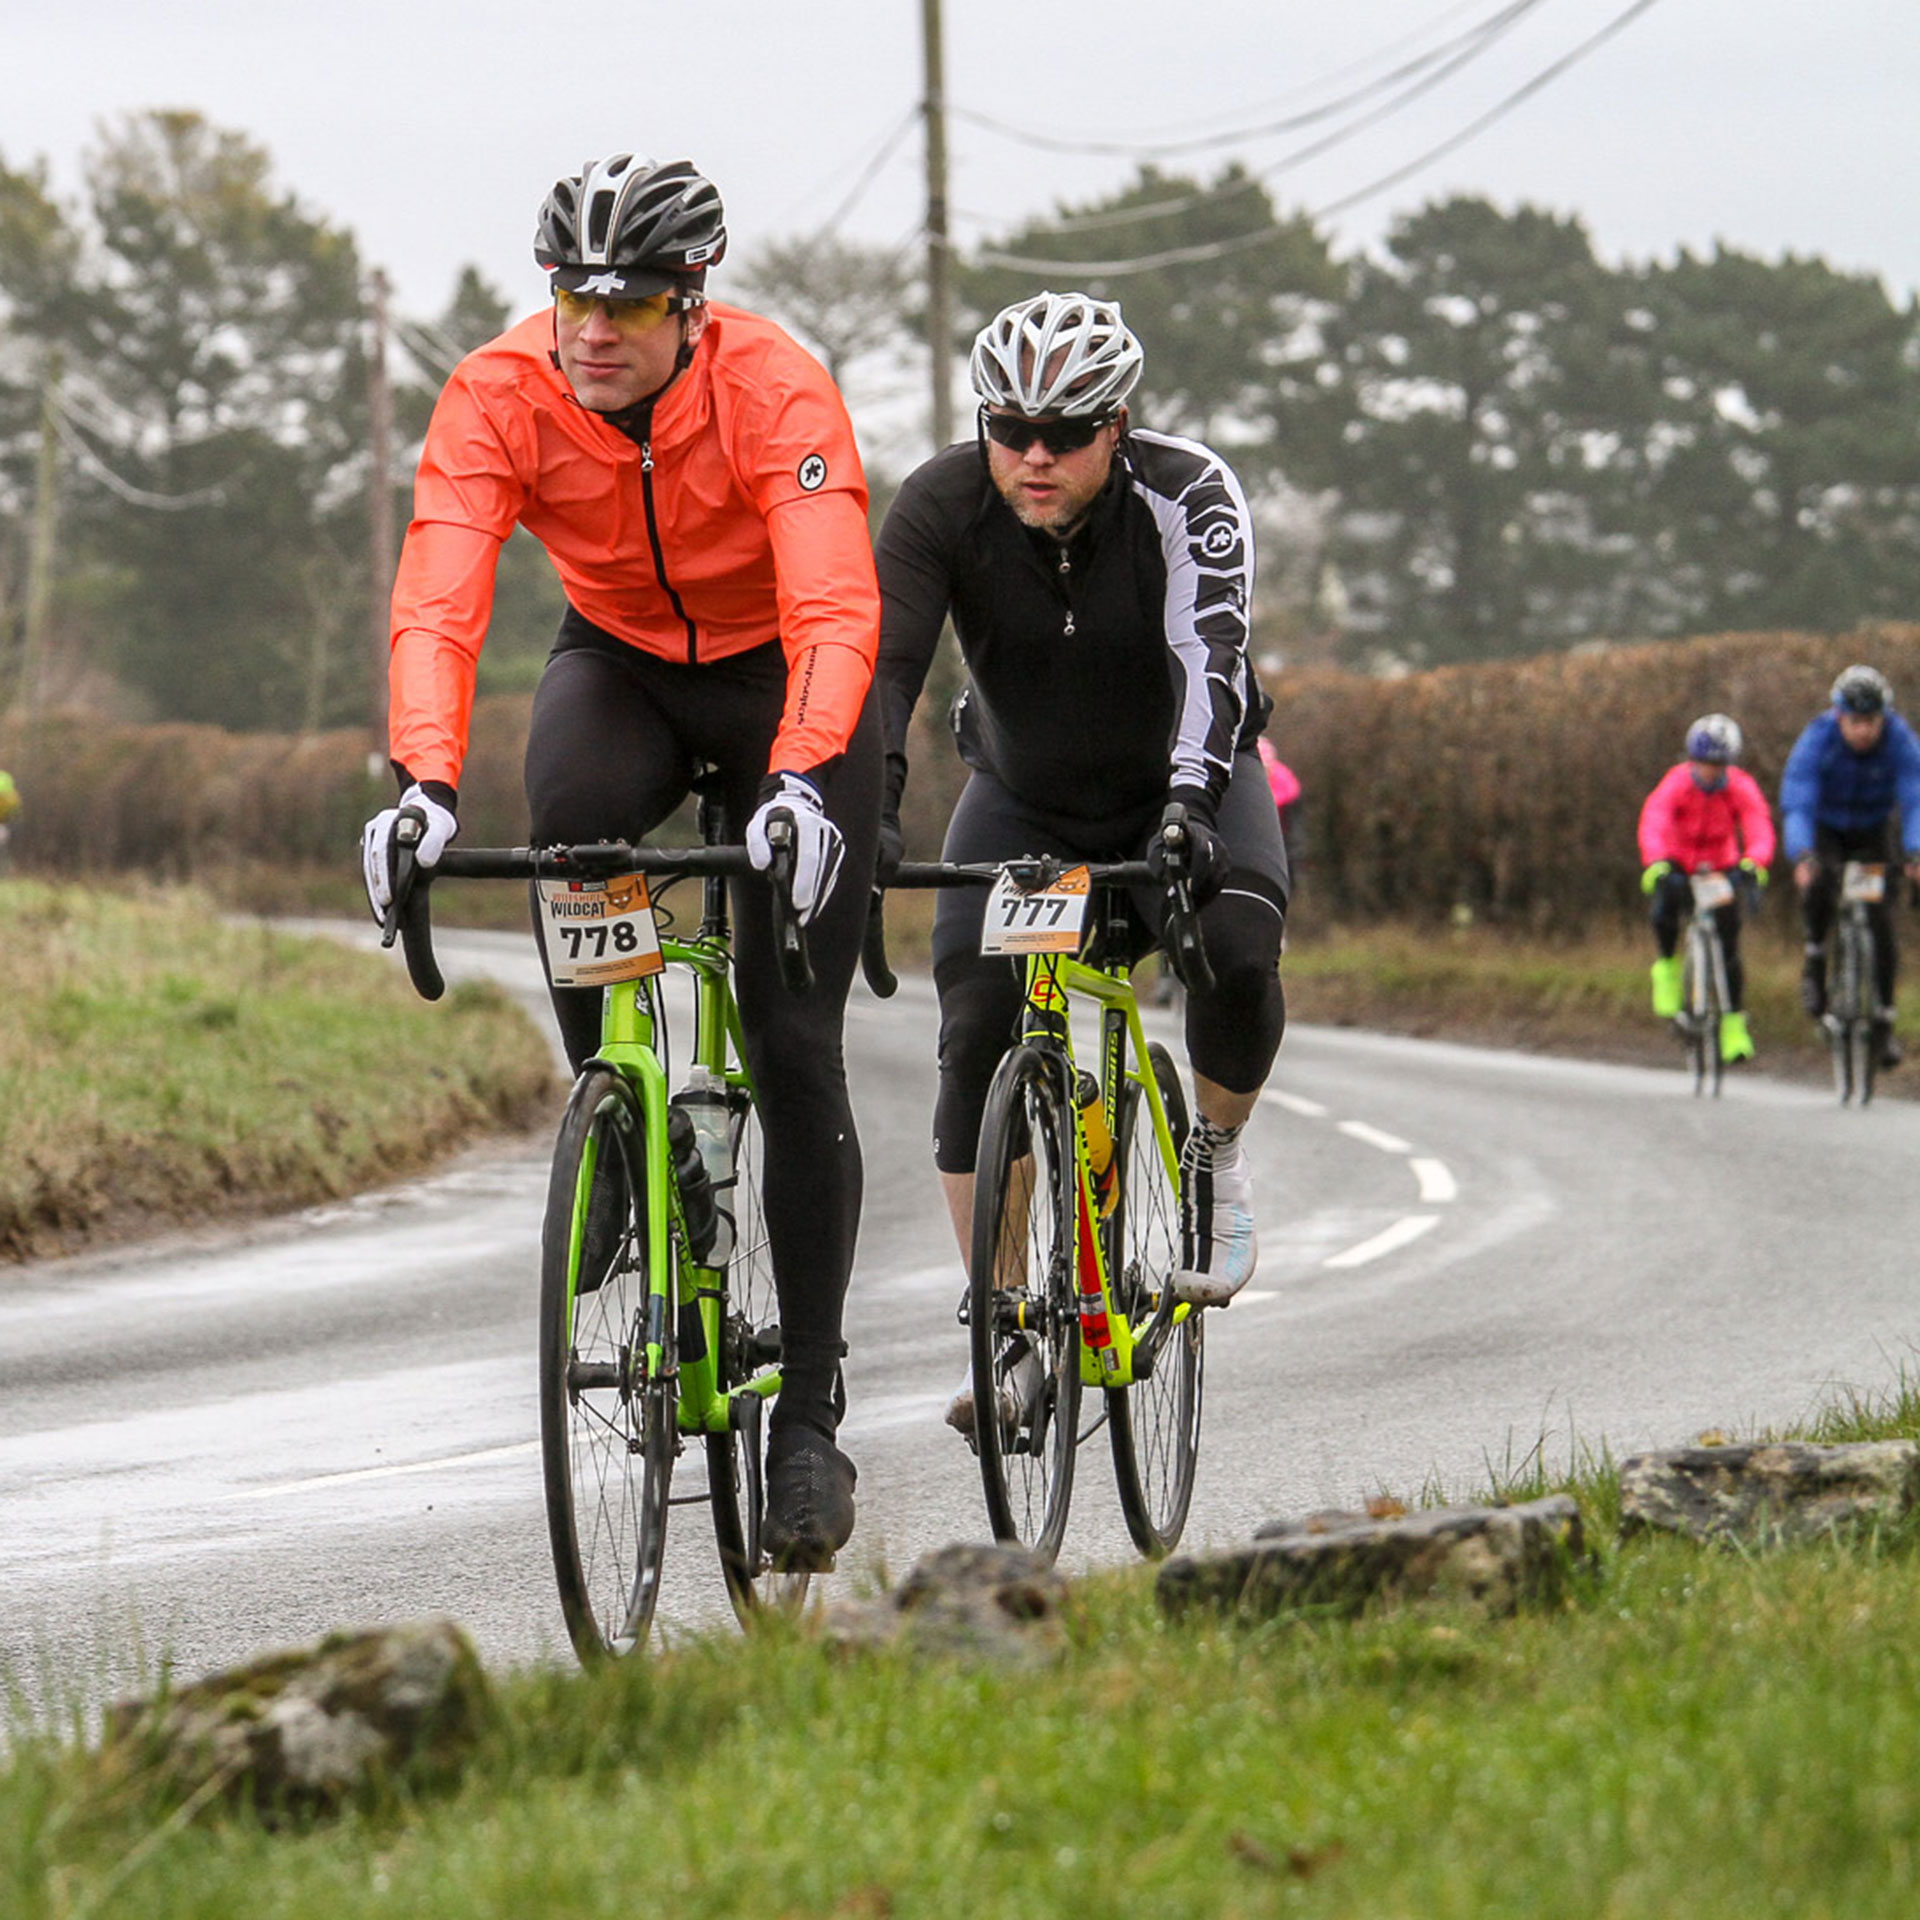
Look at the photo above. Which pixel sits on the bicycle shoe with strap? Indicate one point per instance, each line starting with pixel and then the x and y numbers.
pixel 1666 986
pixel 1218 1250
pixel 1736 1043
pixel 809 1500
pixel 1891 1051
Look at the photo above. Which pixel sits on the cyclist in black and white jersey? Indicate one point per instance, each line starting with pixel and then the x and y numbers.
pixel 1099 578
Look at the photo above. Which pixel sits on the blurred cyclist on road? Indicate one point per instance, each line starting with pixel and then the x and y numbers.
pixel 1705 815
pixel 1847 772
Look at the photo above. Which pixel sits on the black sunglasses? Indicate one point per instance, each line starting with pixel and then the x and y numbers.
pixel 1057 436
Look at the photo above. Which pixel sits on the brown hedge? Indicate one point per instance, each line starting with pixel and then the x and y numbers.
pixel 1512 790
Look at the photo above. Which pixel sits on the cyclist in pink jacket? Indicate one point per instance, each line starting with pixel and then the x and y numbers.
pixel 1706 814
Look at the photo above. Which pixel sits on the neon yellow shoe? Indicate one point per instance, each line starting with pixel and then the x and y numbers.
pixel 1736 1043
pixel 1666 987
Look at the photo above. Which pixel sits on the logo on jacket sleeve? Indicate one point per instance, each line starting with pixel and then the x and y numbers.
pixel 812 473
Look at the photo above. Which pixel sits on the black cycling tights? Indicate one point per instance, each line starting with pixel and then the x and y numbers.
pixel 610 751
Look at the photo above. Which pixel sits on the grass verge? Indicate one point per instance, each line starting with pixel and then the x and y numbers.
pixel 1699 1732
pixel 160 1065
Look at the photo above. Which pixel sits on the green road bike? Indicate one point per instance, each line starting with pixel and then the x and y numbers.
pixel 1076 1224
pixel 657 1306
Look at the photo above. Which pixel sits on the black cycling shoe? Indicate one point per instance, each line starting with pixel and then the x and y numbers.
pixel 1813 987
pixel 1891 1051
pixel 809 1501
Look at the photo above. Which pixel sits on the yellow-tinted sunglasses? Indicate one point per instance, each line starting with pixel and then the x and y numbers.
pixel 630 316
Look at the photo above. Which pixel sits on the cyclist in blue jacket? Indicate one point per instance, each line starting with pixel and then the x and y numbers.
pixel 1846 774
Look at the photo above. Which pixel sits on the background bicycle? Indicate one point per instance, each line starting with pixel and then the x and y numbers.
pixel 1704 996
pixel 1856 1026
pixel 656 1287
pixel 1076 1223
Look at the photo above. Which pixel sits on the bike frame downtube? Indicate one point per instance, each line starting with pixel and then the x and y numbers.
pixel 1106 1336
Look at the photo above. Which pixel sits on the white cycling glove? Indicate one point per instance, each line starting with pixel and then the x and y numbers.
pixel 817 846
pixel 376 844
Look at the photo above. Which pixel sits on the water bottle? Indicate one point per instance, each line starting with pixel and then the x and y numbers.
pixel 704 1101
pixel 1093 1122
pixel 690 1175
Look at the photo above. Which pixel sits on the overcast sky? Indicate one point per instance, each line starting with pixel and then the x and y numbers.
pixel 431 128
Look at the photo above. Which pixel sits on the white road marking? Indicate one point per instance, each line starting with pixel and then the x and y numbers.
pixel 1436 1181
pixel 1402 1233
pixel 518 1448
pixel 1373 1137
pixel 1306 1109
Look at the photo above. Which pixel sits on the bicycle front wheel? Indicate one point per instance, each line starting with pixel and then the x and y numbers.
pixel 1023 1320
pixel 607 1430
pixel 736 1459
pixel 1154 1423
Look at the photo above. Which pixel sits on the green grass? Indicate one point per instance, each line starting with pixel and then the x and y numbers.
pixel 1699 1733
pixel 158 1065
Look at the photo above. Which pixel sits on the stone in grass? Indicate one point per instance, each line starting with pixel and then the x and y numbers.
pixel 309 1729
pixel 1752 1494
pixel 1000 1602
pixel 1495 1558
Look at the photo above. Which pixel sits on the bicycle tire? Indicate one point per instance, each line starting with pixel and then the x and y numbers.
pixel 736 1459
pixel 607 1435
pixel 1023 1231
pixel 1696 994
pixel 1154 1424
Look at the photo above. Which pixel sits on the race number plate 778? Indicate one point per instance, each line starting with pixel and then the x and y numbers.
pixel 599 932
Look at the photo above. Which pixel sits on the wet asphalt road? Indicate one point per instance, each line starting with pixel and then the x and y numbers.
pixel 243 1439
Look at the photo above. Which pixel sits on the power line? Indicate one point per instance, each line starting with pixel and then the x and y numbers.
pixel 1495 28
pixel 869 173
pixel 71 439
pixel 1221 249
pixel 1470 45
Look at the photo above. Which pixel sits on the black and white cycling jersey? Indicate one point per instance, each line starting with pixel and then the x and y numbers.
pixel 1104 671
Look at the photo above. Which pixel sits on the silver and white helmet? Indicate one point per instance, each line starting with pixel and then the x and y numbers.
pixel 1715 737
pixel 1058 353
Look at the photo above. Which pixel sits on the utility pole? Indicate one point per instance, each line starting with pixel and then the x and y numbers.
pixel 46 489
pixel 380 560
pixel 939 257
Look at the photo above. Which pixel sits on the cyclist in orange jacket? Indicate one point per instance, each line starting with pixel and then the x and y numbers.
pixel 692 474
pixel 1706 813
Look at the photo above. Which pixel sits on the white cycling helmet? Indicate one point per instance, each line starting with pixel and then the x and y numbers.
pixel 1715 737
pixel 1058 353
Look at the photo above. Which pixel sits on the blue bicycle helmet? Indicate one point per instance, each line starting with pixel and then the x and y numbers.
pixel 1715 737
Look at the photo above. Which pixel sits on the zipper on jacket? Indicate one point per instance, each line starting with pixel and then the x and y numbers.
pixel 1066 590
pixel 659 552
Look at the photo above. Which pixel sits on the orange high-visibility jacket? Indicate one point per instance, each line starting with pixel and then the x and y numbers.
pixel 742 520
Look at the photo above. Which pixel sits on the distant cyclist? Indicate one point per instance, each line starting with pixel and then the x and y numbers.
pixel 692 475
pixel 1099 578
pixel 1706 815
pixel 1846 774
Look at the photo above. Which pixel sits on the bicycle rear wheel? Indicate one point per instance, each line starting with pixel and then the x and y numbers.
pixel 1155 1423
pixel 607 1431
pixel 736 1459
pixel 1023 1321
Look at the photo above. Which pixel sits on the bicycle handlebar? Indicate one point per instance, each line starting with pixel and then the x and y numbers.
pixel 410 916
pixel 1181 939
